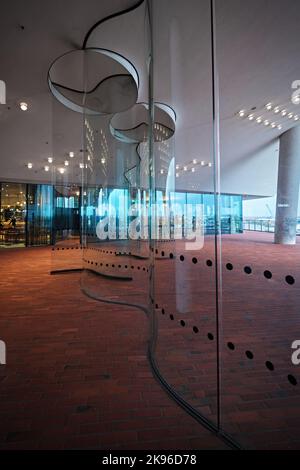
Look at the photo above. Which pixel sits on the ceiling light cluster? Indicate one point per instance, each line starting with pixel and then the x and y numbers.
pixel 50 160
pixel 260 118
pixel 191 166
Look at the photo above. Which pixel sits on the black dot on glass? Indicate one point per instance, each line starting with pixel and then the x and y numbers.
pixel 269 365
pixel 156 305
pixel 194 260
pixel 181 258
pixel 229 266
pixel 231 346
pixel 249 354
pixel 162 253
pixel 268 274
pixel 290 280
pixel 292 379
pixel 156 251
pixel 126 266
pixel 171 255
pixel 247 270
pixel 163 311
pixel 210 336
pixel 195 329
pixel 171 317
pixel 209 262
pixel 182 322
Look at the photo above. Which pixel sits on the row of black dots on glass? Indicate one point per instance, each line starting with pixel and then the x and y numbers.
pixel 62 248
pixel 119 266
pixel 231 346
pixel 247 269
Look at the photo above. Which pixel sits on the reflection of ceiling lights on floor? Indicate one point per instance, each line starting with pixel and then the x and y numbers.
pixel 262 118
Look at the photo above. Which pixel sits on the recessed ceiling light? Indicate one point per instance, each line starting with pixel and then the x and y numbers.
pixel 210 164
pixel 161 171
pixel 66 163
pixel 194 161
pixel 71 154
pixel 242 113
pixel 290 115
pixel 284 112
pixel 273 125
pixel 202 163
pixel 81 165
pixel 296 117
pixel 61 170
pixel 177 175
pixel 266 122
pixel 251 117
pixel 296 99
pixel 50 159
pixel 185 168
pixel 23 106
pixel 103 160
pixel 269 106
pixel 279 127
pixel 177 167
pixel 29 165
pixel 46 168
pixel 259 120
pixel 193 170
pixel 276 110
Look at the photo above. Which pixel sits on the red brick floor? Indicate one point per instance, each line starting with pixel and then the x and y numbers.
pixel 77 375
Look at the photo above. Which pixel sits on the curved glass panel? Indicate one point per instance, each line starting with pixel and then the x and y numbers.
pixel 116 165
pixel 184 268
pixel 259 141
pixel 64 164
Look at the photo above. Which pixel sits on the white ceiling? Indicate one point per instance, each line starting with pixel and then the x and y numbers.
pixel 257 43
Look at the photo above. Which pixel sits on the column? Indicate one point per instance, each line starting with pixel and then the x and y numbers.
pixel 288 187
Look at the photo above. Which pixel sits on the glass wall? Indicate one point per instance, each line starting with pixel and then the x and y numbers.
pixel 259 269
pixel 190 201
pixel 38 214
pixel 12 215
